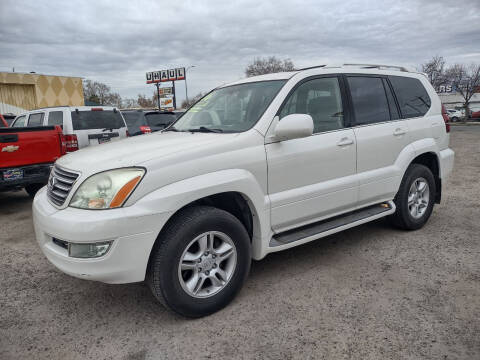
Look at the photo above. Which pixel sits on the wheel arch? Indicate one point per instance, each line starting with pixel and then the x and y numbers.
pixel 431 161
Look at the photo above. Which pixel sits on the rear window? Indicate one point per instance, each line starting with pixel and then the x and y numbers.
pixel 106 119
pixel 134 118
pixel 160 120
pixel 411 95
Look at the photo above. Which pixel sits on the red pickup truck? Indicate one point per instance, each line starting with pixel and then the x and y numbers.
pixel 27 156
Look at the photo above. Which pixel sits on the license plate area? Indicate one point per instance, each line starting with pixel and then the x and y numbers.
pixel 12 174
pixel 103 137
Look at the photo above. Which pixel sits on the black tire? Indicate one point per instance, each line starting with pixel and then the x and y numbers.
pixel 454 119
pixel 163 276
pixel 402 218
pixel 32 189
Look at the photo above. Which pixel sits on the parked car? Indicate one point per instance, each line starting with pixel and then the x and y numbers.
pixel 3 122
pixel 8 118
pixel 136 122
pixel 82 125
pixel 454 115
pixel 146 121
pixel 159 120
pixel 27 156
pixel 256 166
pixel 475 115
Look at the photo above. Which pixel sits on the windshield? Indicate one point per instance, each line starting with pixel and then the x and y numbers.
pixel 231 109
pixel 108 119
pixel 134 118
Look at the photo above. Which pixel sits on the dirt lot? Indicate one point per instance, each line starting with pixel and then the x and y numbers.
pixel 368 293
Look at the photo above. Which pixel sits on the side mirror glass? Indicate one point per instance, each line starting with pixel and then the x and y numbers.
pixel 294 126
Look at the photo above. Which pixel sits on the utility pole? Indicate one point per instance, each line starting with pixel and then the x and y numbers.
pixel 174 96
pixel 186 89
pixel 158 95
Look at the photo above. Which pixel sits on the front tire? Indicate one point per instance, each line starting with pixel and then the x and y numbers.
pixel 454 119
pixel 415 198
pixel 200 261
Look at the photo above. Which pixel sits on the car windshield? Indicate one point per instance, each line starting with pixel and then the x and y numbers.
pixel 134 118
pixel 159 119
pixel 230 109
pixel 91 119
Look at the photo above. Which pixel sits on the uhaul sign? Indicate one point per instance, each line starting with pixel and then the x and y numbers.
pixel 166 75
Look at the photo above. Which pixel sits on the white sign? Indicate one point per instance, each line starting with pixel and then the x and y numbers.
pixel 166 75
pixel 166 102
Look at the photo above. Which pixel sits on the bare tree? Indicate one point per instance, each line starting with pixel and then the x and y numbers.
pixel 147 102
pixel 129 103
pixel 100 93
pixel 186 104
pixel 269 65
pixel 435 70
pixel 465 79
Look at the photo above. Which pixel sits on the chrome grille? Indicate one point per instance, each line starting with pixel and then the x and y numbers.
pixel 59 185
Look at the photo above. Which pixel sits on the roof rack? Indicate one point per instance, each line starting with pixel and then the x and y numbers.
pixel 311 67
pixel 378 66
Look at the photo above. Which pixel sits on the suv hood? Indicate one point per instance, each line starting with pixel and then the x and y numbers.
pixel 137 150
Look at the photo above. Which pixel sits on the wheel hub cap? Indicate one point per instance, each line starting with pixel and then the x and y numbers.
pixel 207 264
pixel 418 198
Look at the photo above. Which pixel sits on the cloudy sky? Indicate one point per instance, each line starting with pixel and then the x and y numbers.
pixel 116 42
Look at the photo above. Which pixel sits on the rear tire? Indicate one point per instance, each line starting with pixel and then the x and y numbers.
pixel 454 119
pixel 197 237
pixel 32 189
pixel 415 198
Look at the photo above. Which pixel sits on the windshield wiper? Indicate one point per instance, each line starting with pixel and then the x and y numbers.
pixel 205 129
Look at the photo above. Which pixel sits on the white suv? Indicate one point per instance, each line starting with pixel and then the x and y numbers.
pixel 82 125
pixel 257 166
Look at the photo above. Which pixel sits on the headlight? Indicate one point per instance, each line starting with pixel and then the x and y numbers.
pixel 109 189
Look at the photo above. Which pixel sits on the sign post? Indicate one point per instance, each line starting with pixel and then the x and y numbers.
pixel 156 77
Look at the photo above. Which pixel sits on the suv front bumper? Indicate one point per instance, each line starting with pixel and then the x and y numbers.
pixel 132 231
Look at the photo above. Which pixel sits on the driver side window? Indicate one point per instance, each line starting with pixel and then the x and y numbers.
pixel 319 98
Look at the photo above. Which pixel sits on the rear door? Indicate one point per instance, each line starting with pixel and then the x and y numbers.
pixel 97 126
pixel 381 135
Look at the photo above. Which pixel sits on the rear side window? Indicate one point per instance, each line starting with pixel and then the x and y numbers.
pixel 369 100
pixel 20 122
pixel 35 119
pixel 55 118
pixel 411 95
pixel 160 120
pixel 105 119
pixel 394 115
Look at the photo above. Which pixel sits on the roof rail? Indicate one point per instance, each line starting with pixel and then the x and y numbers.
pixel 378 66
pixel 310 67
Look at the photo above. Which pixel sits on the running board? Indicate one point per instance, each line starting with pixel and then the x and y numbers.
pixel 333 225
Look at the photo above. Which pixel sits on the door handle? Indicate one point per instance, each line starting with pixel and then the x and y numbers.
pixel 345 141
pixel 399 132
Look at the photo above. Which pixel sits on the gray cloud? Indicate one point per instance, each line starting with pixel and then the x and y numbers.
pixel 117 42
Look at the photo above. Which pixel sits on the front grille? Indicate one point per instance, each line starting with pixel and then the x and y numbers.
pixel 59 185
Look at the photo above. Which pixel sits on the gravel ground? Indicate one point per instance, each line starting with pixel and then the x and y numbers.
pixel 368 293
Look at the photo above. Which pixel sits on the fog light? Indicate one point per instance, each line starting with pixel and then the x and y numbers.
pixel 92 250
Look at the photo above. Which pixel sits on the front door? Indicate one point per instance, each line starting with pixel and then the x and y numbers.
pixel 314 177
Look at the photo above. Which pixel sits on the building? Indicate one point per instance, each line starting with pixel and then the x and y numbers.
pixel 21 92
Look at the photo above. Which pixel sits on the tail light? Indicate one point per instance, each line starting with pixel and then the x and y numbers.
pixel 446 118
pixel 145 129
pixel 63 142
pixel 71 143
pixel 127 133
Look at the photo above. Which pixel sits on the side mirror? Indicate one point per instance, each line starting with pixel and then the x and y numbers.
pixel 294 126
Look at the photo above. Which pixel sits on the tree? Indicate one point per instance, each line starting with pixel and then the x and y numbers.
pixel 129 103
pixel 465 79
pixel 100 93
pixel 186 104
pixel 147 102
pixel 435 70
pixel 269 65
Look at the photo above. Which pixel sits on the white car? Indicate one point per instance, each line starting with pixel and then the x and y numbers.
pixel 257 166
pixel 82 125
pixel 455 115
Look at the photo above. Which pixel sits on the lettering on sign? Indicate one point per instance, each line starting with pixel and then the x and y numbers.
pixel 165 75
